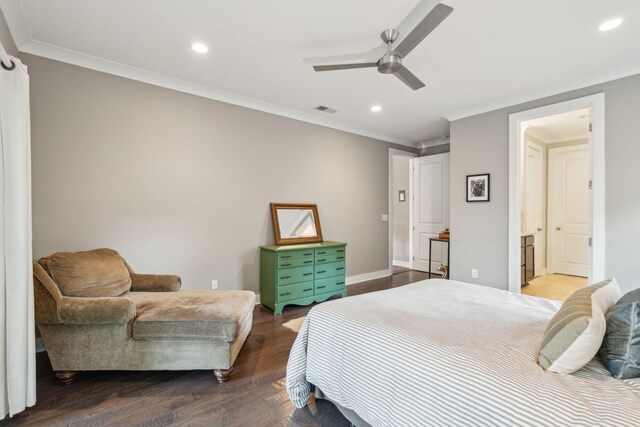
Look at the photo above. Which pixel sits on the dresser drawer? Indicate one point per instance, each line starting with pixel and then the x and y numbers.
pixel 323 259
pixel 332 284
pixel 329 270
pixel 295 262
pixel 295 254
pixel 294 275
pixel 291 292
pixel 330 251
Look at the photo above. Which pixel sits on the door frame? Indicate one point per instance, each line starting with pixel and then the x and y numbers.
pixel 401 153
pixel 551 173
pixel 596 173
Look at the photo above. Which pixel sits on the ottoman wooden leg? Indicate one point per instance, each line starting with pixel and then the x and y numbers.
pixel 66 377
pixel 223 374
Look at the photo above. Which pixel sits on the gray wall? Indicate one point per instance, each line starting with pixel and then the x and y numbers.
pixel 182 184
pixel 480 144
pixel 401 179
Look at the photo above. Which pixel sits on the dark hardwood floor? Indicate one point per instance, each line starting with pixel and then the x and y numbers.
pixel 255 395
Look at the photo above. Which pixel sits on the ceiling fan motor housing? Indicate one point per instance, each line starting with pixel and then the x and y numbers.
pixel 389 63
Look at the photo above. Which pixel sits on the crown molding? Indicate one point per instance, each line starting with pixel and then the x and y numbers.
pixel 121 70
pixel 545 91
pixel 434 142
pixel 546 138
pixel 26 44
pixel 538 134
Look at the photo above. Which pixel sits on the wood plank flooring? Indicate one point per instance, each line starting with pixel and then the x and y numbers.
pixel 254 396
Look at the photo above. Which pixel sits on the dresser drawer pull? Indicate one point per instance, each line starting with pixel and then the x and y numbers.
pixel 321 253
pixel 311 253
pixel 340 283
pixel 308 262
pixel 321 260
pixel 339 268
pixel 285 256
pixel 340 251
pixel 286 265
pixel 307 290
pixel 285 294
pixel 340 257
pixel 321 287
pixel 322 271
pixel 307 274
pixel 285 277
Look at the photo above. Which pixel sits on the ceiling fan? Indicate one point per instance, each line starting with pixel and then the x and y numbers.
pixel 391 62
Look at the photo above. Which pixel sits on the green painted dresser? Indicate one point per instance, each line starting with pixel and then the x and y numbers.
pixel 301 274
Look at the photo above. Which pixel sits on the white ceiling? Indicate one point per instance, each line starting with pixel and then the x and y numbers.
pixel 560 127
pixel 486 54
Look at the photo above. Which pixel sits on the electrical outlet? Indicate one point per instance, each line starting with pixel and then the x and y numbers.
pixel 385 218
pixel 474 273
pixel 214 284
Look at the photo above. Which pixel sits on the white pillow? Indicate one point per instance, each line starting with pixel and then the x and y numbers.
pixel 575 333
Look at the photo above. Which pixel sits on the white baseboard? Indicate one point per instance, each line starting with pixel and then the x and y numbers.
pixel 405 264
pixel 367 276
pixel 39 345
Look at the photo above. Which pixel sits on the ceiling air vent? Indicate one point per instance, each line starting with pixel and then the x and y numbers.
pixel 324 109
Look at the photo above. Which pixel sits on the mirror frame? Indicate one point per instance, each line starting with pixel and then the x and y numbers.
pixel 295 240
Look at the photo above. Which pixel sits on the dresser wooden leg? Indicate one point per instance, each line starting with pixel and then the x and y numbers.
pixel 223 374
pixel 66 377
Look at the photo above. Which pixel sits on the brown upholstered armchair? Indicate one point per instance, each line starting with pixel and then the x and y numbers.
pixel 95 313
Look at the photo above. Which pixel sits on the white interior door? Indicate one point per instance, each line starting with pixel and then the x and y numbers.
pixel 569 210
pixel 534 201
pixel 431 209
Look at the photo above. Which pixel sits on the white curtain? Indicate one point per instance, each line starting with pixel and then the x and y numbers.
pixel 17 333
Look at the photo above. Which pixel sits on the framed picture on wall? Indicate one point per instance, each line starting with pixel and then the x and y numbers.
pixel 478 188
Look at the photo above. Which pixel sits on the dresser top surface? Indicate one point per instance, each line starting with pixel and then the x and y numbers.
pixel 283 248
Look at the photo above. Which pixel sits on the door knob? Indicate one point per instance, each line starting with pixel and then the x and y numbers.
pixel 539 228
pixel 558 228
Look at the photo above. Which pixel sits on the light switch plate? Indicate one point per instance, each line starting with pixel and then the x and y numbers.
pixel 385 218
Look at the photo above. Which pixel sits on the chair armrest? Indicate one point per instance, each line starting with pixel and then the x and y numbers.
pixel 155 283
pixel 96 311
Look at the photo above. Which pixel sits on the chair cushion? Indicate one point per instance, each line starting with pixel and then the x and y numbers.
pixel 620 349
pixel 96 273
pixel 575 332
pixel 191 315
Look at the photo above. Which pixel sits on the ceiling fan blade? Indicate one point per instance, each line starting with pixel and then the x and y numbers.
pixel 408 78
pixel 438 14
pixel 344 66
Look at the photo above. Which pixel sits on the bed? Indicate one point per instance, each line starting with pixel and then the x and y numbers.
pixel 440 352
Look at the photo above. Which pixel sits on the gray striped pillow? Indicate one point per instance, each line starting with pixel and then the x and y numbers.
pixel 575 333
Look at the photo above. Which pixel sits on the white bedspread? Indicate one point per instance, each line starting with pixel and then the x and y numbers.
pixel 441 352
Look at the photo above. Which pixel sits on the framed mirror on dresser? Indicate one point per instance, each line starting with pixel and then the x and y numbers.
pixel 295 223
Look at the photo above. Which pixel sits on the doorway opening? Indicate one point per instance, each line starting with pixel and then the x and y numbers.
pixel 556 198
pixel 400 211
pixel 555 204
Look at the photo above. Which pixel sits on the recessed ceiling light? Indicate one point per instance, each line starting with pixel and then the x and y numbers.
pixel 376 108
pixel 610 24
pixel 199 47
